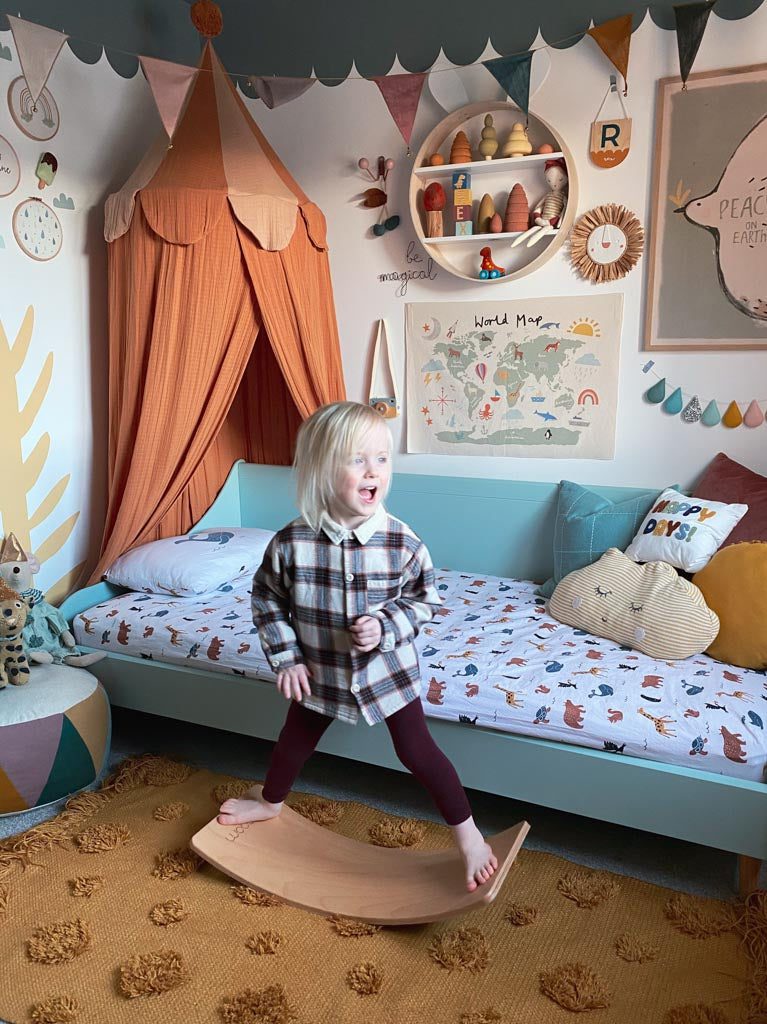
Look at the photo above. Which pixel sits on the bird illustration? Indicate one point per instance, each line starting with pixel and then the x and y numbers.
pixel 730 213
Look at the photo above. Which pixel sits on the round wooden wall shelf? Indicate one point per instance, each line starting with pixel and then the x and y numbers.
pixel 459 254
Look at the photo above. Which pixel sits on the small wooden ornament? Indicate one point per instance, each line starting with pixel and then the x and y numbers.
pixel 460 151
pixel 488 147
pixel 206 18
pixel 434 200
pixel 517 144
pixel 517 217
pixel 496 224
pixel 436 160
pixel 545 147
pixel 485 215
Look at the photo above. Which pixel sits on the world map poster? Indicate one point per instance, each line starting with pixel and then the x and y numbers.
pixel 535 378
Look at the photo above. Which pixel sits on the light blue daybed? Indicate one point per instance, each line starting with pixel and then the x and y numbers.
pixel 500 527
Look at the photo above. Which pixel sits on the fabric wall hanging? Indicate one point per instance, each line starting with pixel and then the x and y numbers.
pixel 606 243
pixel 383 397
pixel 610 139
pixel 37 229
pixel 37 120
pixel 691 408
pixel 10 172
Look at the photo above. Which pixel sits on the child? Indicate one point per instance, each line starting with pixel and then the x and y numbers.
pixel 338 601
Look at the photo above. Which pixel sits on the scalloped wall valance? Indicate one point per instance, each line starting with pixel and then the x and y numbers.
pixel 303 37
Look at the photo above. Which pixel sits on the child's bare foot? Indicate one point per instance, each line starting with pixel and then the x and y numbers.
pixel 478 857
pixel 251 806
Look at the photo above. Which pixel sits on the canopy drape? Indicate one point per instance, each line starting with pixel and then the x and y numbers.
pixel 222 327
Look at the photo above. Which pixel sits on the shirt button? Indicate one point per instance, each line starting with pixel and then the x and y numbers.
pixel 349 577
pixel 355 688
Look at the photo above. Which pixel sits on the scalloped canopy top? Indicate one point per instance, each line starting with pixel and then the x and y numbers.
pixel 219 159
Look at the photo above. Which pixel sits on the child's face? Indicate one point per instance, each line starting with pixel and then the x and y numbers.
pixel 363 479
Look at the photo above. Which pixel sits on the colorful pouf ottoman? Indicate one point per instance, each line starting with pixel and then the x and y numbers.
pixel 54 736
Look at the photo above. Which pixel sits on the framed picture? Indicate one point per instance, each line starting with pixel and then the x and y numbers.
pixel 707 286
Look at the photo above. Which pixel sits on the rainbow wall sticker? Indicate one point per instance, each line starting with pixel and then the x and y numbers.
pixel 588 397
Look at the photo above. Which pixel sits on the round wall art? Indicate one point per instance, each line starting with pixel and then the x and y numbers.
pixel 37 120
pixel 606 243
pixel 10 171
pixel 37 229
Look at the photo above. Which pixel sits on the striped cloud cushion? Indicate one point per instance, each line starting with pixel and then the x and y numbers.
pixel 647 607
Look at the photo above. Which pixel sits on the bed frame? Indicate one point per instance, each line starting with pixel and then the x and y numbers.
pixel 500 527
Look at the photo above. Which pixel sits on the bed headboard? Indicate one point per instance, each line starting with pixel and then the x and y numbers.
pixel 500 527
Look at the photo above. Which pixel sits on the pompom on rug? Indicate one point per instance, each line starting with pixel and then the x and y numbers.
pixel 107 917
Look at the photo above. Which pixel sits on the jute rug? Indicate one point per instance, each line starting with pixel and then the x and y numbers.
pixel 106 917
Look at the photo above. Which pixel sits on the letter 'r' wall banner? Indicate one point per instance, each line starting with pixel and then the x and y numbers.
pixel 526 377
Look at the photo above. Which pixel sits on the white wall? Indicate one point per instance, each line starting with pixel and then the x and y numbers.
pixel 107 122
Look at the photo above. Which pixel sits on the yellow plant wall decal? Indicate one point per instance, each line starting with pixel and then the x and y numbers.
pixel 21 474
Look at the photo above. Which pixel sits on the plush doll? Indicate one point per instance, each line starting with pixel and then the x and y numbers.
pixel 548 213
pixel 46 634
pixel 14 667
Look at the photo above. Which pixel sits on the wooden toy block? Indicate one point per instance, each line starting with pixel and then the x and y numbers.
pixel 464 227
pixel 461 179
pixel 463 212
pixel 461 196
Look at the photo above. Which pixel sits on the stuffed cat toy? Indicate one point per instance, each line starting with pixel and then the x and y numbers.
pixel 47 637
pixel 14 667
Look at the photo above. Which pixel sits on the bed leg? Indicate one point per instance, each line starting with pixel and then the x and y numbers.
pixel 748 874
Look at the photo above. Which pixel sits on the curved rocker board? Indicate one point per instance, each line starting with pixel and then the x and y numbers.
pixel 311 867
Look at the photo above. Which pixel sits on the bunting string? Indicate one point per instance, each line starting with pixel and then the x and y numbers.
pixel 676 400
pixel 247 75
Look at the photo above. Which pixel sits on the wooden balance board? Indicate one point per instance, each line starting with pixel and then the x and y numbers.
pixel 311 867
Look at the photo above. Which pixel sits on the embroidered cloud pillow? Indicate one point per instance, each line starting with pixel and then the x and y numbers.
pixel 189 566
pixel 685 532
pixel 648 607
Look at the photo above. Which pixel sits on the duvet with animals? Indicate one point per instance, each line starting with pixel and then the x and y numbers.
pixel 492 657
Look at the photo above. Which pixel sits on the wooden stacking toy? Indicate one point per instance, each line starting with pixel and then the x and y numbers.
pixel 460 151
pixel 486 211
pixel 517 144
pixel 488 147
pixel 517 217
pixel 434 200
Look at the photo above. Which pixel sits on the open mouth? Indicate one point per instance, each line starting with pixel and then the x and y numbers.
pixel 368 494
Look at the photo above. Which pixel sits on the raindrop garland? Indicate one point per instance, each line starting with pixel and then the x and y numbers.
pixel 676 402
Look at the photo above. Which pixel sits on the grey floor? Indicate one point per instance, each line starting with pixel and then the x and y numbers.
pixel 662 861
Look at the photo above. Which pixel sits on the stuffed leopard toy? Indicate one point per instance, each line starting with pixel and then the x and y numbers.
pixel 14 667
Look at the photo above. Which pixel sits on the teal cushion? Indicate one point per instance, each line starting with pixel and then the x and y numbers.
pixel 588 524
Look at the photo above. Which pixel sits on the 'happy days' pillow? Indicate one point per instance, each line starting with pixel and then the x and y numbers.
pixel 193 565
pixel 685 532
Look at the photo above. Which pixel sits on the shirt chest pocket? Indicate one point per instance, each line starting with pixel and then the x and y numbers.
pixel 382 587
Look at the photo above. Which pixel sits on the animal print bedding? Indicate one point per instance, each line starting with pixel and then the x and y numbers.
pixel 493 657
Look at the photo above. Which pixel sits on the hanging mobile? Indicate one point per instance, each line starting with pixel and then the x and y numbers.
pixel 375 198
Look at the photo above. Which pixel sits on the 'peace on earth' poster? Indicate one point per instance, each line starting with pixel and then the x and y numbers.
pixel 527 377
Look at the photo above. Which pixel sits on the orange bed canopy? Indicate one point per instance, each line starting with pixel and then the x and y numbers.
pixel 222 327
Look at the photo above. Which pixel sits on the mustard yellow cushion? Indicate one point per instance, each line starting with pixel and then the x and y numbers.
pixel 648 607
pixel 734 584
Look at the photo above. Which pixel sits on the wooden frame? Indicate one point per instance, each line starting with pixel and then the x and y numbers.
pixel 690 262
pixel 461 257
pixel 516 540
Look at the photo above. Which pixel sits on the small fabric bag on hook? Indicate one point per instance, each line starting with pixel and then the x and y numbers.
pixel 383 397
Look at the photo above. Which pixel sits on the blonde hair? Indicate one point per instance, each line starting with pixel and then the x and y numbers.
pixel 325 441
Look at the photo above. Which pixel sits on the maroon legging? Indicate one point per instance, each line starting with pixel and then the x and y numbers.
pixel 413 745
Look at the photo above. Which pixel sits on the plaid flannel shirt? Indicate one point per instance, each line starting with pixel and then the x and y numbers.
pixel 311 587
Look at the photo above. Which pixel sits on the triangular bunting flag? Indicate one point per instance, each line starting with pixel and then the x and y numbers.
pixel 170 84
pixel 692 412
pixel 733 416
pixel 691 22
pixel 513 73
pixel 276 91
pixel 614 39
pixel 401 94
pixel 657 392
pixel 37 47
